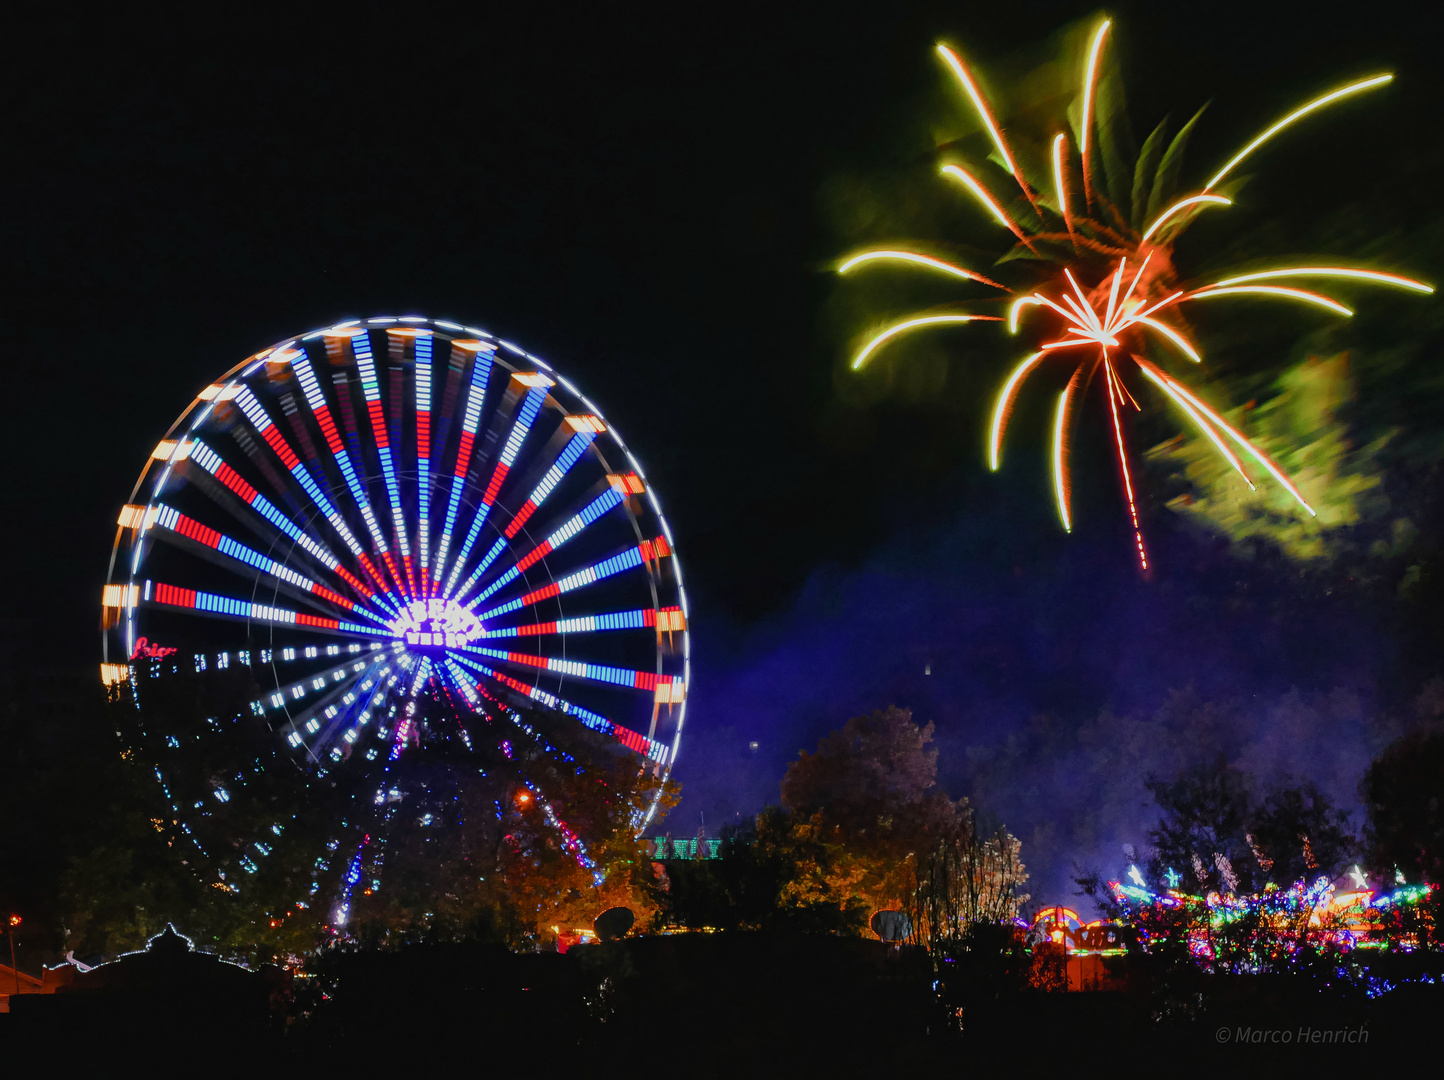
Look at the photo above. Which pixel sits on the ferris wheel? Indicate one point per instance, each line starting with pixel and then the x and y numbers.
pixel 384 532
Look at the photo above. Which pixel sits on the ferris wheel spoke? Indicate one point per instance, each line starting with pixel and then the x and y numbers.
pixel 390 690
pixel 321 411
pixel 419 340
pixel 454 679
pixel 486 560
pixel 454 379
pixel 375 416
pixel 422 385
pixel 407 727
pixel 378 706
pixel 585 430
pixel 301 654
pixel 667 619
pixel 569 530
pixel 485 355
pixel 643 554
pixel 536 386
pixel 259 419
pixel 318 694
pixel 373 692
pixel 264 463
pixel 666 688
pixel 326 701
pixel 304 687
pixel 515 719
pixel 229 480
pixel 596 721
pixel 159 594
pixel 343 714
pixel 177 527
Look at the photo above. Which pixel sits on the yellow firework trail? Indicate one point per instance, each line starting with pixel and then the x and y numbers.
pixel 1296 115
pixel 912 324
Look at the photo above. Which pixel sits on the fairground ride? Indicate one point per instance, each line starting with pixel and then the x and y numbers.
pixel 373 536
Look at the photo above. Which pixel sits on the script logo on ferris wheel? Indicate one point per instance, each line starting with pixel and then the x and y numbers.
pixel 143 647
pixel 437 622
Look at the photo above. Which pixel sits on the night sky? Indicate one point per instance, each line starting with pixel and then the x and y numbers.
pixel 646 198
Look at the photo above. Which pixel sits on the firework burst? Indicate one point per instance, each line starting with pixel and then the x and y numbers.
pixel 1102 288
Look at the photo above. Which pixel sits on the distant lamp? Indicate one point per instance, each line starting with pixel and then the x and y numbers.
pixel 14 920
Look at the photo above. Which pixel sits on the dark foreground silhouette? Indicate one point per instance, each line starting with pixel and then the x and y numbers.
pixel 733 1004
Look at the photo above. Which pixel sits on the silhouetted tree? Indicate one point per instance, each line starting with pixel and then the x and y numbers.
pixel 1403 790
pixel 1211 822
pixel 1298 834
pixel 1204 813
pixel 963 881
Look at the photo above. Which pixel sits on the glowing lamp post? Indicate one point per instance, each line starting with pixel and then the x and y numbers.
pixel 14 922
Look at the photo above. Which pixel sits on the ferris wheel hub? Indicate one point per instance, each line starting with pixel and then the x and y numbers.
pixel 436 623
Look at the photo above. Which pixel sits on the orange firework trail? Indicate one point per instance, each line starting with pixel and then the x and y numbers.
pixel 1102 287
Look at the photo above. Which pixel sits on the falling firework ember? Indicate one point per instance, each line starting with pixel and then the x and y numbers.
pixel 1102 287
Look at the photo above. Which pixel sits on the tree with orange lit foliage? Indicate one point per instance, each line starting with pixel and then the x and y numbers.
pixel 856 817
pixel 551 888
pixel 869 795
pixel 774 874
pixel 893 840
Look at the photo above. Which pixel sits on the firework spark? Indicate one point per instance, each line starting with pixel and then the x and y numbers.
pixel 1134 300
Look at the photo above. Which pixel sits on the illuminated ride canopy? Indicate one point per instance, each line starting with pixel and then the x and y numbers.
pixel 388 532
